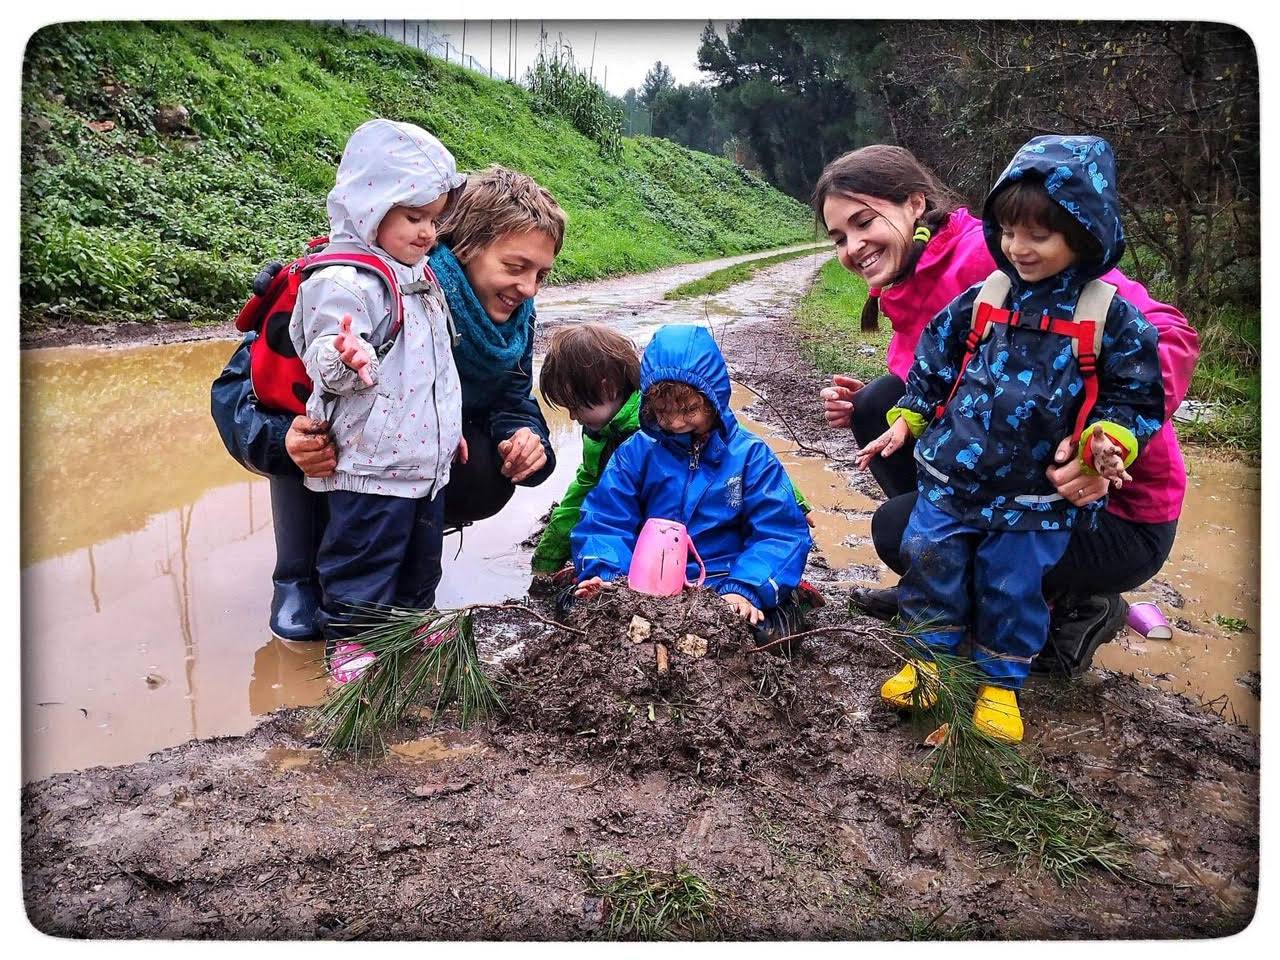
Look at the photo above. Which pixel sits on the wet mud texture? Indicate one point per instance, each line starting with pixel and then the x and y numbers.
pixel 781 781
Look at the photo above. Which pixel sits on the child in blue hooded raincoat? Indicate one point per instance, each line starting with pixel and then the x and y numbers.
pixel 989 523
pixel 704 470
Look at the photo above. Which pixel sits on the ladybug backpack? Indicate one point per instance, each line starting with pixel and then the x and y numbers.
pixel 1085 331
pixel 276 372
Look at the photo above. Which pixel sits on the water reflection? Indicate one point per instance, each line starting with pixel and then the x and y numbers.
pixel 147 556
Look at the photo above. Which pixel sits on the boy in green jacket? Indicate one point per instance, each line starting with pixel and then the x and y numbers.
pixel 593 372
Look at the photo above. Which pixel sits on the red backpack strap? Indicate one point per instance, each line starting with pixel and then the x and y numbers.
pixel 988 308
pixel 1086 332
pixel 335 256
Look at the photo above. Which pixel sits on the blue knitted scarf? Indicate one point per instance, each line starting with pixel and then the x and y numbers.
pixel 485 348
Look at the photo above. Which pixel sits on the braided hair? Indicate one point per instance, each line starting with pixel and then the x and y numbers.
pixel 891 174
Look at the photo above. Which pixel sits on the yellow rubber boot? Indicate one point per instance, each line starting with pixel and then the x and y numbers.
pixel 996 714
pixel 897 690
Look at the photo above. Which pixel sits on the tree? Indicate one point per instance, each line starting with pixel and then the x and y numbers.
pixel 689 114
pixel 657 80
pixel 1177 101
pixel 797 92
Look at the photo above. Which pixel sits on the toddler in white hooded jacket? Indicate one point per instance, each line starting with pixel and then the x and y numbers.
pixel 390 393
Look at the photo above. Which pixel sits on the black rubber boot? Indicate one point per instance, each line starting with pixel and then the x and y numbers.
pixel 297 517
pixel 881 603
pixel 1077 628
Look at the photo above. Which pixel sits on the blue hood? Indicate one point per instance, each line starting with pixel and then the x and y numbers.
pixel 1079 173
pixel 689 355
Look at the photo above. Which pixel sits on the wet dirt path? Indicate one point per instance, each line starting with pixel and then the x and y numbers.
pixel 146 551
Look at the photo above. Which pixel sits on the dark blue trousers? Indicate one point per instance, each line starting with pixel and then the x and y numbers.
pixel 377 550
pixel 962 579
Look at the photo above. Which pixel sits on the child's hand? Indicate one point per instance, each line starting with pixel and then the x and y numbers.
pixel 1108 457
pixel 522 455
pixel 887 444
pixel 589 588
pixel 744 607
pixel 461 454
pixel 351 349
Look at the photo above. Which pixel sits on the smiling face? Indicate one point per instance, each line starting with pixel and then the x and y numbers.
pixel 1035 251
pixel 509 271
pixel 872 236
pixel 409 233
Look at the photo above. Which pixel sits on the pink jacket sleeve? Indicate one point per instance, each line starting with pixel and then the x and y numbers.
pixel 1179 342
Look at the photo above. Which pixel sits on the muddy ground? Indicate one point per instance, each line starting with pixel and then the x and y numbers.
pixel 780 781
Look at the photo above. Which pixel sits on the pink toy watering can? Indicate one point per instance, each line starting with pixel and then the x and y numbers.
pixel 660 557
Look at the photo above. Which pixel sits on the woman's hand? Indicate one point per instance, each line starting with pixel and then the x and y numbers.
pixel 309 446
pixel 1067 475
pixel 351 350
pixel 887 444
pixel 743 607
pixel 837 400
pixel 522 455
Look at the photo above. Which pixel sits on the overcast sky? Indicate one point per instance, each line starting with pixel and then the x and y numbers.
pixel 628 48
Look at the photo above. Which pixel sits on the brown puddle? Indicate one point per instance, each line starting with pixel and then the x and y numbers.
pixel 147 555
pixel 446 746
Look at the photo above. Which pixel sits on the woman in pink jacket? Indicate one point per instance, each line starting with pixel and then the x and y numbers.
pixel 908 237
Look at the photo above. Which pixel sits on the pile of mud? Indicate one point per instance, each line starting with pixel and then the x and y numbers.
pixel 674 683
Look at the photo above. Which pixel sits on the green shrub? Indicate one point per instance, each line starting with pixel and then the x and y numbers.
pixel 132 221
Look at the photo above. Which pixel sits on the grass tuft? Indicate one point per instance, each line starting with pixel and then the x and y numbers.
pixel 1007 802
pixel 356 716
pixel 648 904
pixel 731 276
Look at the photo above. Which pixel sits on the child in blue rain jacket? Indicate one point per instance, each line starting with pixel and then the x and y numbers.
pixel 692 462
pixel 989 523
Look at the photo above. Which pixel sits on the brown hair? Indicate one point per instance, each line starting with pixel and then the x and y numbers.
pixel 586 360
pixel 1024 203
pixel 891 174
pixel 675 398
pixel 496 202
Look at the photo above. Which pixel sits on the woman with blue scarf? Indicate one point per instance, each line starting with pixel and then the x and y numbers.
pixel 494 252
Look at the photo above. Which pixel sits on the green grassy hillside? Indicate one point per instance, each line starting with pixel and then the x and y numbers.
pixel 123 215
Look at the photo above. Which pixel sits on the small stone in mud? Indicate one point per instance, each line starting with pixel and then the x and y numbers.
pixel 593 909
pixel 1251 681
pixel 692 645
pixel 153 680
pixel 638 629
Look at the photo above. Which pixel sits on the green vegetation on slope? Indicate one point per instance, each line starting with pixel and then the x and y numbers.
pixel 1228 375
pixel 829 318
pixel 120 218
pixel 731 276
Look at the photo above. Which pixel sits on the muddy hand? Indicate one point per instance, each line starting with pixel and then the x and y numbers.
pixel 837 400
pixel 351 349
pixel 309 445
pixel 1108 458
pixel 522 455
pixel 886 445
pixel 744 608
pixel 589 588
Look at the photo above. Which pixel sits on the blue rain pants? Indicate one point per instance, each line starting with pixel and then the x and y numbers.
pixel 377 550
pixel 963 579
